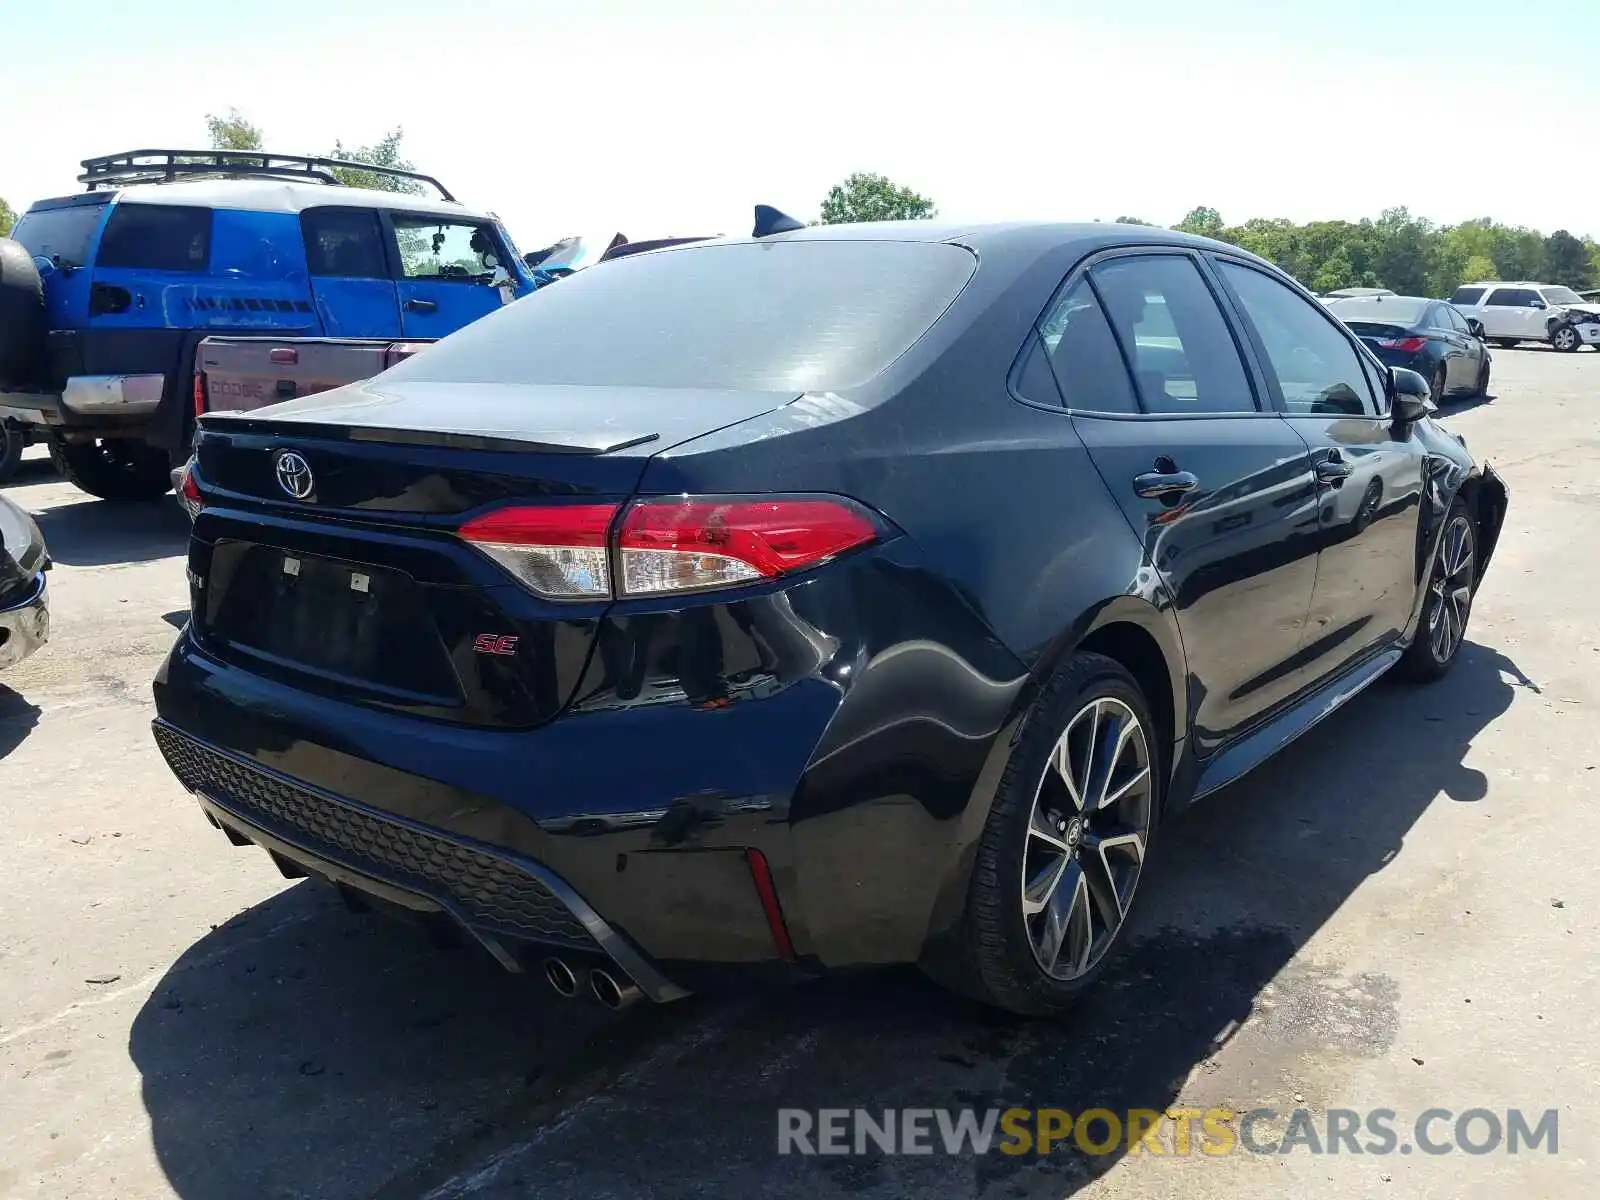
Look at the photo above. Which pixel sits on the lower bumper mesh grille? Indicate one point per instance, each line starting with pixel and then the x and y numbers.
pixel 487 890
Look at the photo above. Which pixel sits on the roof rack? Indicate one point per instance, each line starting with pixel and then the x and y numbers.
pixel 168 166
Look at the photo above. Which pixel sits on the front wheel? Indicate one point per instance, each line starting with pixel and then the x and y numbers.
pixel 114 468
pixel 1064 847
pixel 1565 339
pixel 1448 604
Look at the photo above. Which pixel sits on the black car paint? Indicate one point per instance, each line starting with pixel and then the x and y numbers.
pixel 870 702
pixel 1461 355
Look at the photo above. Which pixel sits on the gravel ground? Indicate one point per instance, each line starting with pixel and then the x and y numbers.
pixel 1399 912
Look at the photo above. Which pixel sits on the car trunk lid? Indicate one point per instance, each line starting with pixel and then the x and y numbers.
pixel 326 552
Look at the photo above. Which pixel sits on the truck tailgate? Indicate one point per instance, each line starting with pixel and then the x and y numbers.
pixel 244 373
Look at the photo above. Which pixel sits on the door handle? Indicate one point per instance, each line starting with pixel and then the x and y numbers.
pixel 421 306
pixel 1333 469
pixel 1164 485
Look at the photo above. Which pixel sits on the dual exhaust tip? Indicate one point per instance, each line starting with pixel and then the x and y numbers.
pixel 612 992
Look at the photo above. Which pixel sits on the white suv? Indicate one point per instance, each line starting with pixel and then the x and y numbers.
pixel 1530 312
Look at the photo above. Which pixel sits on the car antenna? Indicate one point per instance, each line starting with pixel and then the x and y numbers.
pixel 770 220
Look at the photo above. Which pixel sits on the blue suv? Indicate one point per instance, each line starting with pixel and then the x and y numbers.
pixel 104 295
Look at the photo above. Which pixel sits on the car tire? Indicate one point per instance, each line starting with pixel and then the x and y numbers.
pixel 1506 343
pixel 1452 580
pixel 1436 384
pixel 1054 878
pixel 22 316
pixel 114 468
pixel 12 443
pixel 1566 339
pixel 1481 390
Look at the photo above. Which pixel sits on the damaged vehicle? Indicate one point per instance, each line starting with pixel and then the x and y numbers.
pixel 24 596
pixel 814 600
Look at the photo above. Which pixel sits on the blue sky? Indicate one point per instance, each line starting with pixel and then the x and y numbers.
pixel 676 117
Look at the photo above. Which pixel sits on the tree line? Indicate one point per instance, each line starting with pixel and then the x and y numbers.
pixel 1408 254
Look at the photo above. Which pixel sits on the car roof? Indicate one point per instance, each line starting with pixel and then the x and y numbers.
pixel 280 196
pixel 1392 298
pixel 1518 283
pixel 1012 237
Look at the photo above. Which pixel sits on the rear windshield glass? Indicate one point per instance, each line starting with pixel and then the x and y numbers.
pixel 60 233
pixel 750 316
pixel 157 237
pixel 1467 295
pixel 1385 311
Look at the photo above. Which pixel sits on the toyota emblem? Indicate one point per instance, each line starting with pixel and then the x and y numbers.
pixel 294 475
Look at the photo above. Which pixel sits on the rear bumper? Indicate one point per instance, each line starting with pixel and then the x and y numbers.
pixel 503 901
pixel 25 623
pixel 858 775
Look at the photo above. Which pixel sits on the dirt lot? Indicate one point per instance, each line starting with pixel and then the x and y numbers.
pixel 1400 912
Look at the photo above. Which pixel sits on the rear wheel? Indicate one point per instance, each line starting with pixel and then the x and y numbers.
pixel 1448 605
pixel 1505 343
pixel 1482 388
pixel 114 468
pixel 12 443
pixel 1064 846
pixel 1565 339
pixel 1436 384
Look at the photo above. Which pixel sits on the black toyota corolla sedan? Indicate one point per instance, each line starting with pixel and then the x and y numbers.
pixel 842 596
pixel 1429 337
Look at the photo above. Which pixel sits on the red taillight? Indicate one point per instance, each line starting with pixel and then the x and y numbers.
pixel 687 544
pixel 199 393
pixel 189 494
pixel 668 545
pixel 1409 345
pixel 556 550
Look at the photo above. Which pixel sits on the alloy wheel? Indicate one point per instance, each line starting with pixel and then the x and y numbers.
pixel 1087 833
pixel 1451 588
pixel 1565 338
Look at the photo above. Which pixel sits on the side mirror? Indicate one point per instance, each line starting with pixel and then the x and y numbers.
pixel 1476 326
pixel 1538 304
pixel 1410 398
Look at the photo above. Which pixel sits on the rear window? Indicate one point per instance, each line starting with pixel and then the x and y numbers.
pixel 1467 295
pixel 751 316
pixel 1386 311
pixel 157 237
pixel 64 234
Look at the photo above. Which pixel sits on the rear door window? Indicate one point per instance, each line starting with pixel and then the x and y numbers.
pixel 345 243
pixel 156 237
pixel 1082 351
pixel 1174 335
pixel 1513 298
pixel 1467 295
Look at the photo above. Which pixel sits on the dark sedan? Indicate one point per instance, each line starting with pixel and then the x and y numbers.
pixel 1429 337
pixel 24 598
pixel 842 596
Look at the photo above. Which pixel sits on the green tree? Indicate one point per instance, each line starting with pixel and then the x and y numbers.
pixel 865 196
pixel 1478 268
pixel 1403 248
pixel 232 132
pixel 1203 221
pixel 8 218
pixel 1133 221
pixel 383 153
pixel 1567 261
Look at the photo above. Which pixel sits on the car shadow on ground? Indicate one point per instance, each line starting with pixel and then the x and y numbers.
pixel 37 469
pixel 17 719
pixel 94 533
pixel 298 1050
pixel 1452 406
